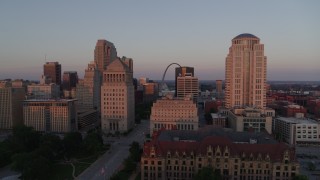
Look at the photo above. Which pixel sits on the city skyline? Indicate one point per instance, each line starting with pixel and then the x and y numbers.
pixel 156 34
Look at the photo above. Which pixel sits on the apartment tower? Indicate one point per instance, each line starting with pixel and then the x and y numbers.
pixel 52 70
pixel 104 53
pixel 117 97
pixel 246 68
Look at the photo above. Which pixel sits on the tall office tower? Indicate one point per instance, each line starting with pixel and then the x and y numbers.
pixel 70 80
pixel 104 53
pixel 187 86
pixel 10 106
pixel 181 72
pixel 117 101
pixel 88 89
pixel 53 71
pixel 219 88
pixel 58 116
pixel 246 68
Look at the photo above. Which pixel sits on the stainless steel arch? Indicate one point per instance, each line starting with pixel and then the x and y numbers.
pixel 164 74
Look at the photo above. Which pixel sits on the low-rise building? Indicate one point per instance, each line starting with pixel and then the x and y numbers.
pixel 43 91
pixel 245 119
pixel 181 155
pixel 59 116
pixel 87 118
pixel 219 120
pixel 174 113
pixel 298 130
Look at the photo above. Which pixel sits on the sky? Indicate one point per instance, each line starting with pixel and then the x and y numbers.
pixel 157 33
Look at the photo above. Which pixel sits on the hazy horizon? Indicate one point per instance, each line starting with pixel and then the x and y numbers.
pixel 155 34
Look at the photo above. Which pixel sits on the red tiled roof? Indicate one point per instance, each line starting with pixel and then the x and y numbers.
pixel 275 151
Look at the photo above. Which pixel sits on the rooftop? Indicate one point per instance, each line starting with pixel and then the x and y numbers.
pixel 235 137
pixel 50 100
pixel 245 35
pixel 294 120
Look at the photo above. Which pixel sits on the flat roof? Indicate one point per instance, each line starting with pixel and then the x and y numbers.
pixel 216 115
pixel 50 100
pixel 235 137
pixel 294 120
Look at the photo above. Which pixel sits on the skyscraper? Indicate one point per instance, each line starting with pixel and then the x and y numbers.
pixel 53 71
pixel 181 72
pixel 117 97
pixel 219 88
pixel 187 86
pixel 246 68
pixel 88 89
pixel 10 105
pixel 104 53
pixel 70 80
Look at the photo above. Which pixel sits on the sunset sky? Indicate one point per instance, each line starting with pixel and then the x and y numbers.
pixel 157 33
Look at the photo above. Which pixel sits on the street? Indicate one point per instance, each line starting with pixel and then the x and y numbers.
pixel 112 160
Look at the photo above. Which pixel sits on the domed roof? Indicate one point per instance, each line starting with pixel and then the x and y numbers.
pixel 245 35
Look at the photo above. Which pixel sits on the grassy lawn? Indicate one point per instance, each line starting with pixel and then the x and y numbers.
pixel 81 162
pixel 61 171
pixel 84 163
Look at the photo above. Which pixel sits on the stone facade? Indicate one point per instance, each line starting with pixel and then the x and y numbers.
pixel 180 158
pixel 246 72
pixel 174 113
pixel 117 97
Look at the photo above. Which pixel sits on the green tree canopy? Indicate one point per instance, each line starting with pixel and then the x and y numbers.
pixel 72 143
pixel 207 173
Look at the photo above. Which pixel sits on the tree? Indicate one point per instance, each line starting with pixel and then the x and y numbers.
pixel 5 153
pixel 300 177
pixel 24 139
pixel 72 143
pixel 135 151
pixel 207 173
pixel 311 166
pixel 51 144
pixel 31 165
pixel 129 165
pixel 93 143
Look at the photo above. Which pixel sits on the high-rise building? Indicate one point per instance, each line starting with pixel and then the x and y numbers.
pixel 174 113
pixel 58 116
pixel 187 86
pixel 117 97
pixel 104 53
pixel 10 106
pixel 218 89
pixel 53 71
pixel 88 89
pixel 181 72
pixel 70 80
pixel 246 68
